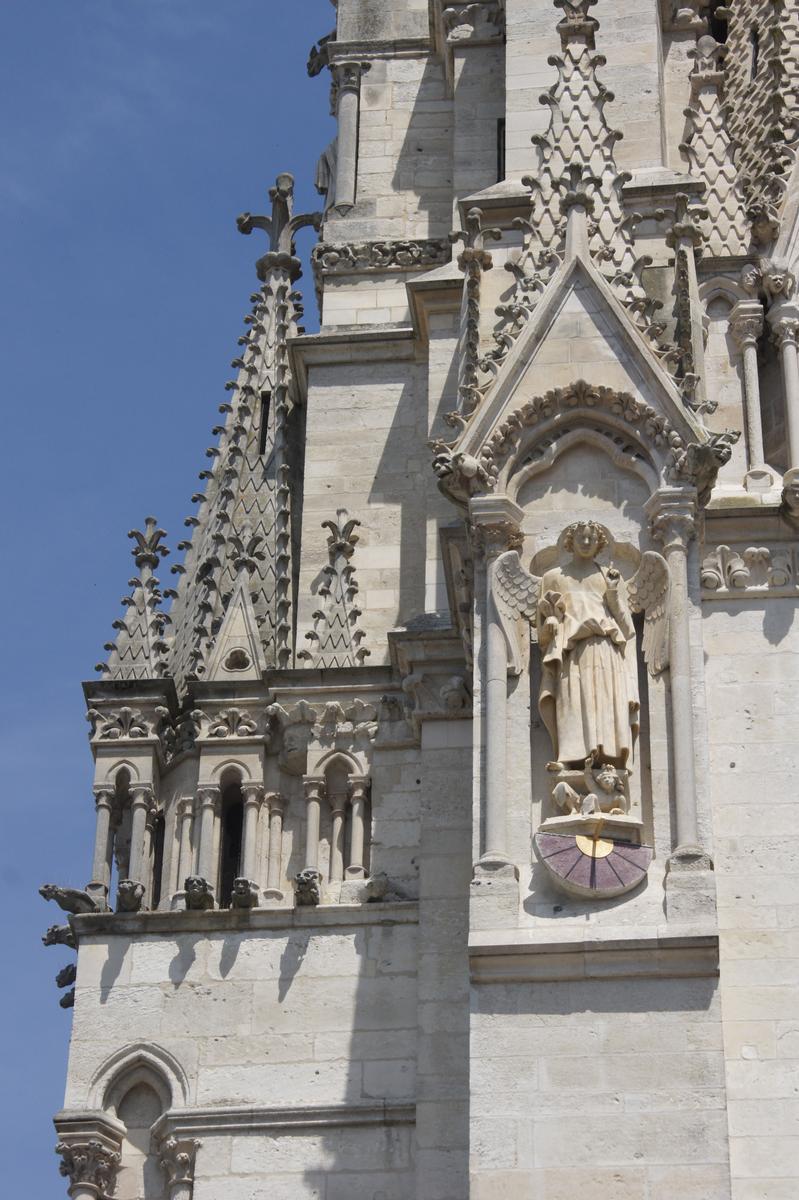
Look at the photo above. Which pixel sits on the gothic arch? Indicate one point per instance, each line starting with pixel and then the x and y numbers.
pixel 141 1062
pixel 619 450
pixel 229 768
pixel 722 286
pixel 111 774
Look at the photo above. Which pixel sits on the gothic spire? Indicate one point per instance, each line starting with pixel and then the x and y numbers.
pixel 139 649
pixel 248 477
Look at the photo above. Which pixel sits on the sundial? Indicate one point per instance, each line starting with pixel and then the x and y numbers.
pixel 593 864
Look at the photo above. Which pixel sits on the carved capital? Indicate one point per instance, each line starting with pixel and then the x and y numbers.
pixel 347 75
pixel 495 525
pixel 104 796
pixel 784 321
pixel 185 808
pixel 176 1158
pixel 746 322
pixel 142 796
pixel 672 519
pixel 90 1164
pixel 358 787
pixel 253 794
pixel 209 796
pixel 314 787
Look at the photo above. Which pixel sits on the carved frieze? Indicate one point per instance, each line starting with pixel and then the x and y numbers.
pixel 350 258
pixel 738 572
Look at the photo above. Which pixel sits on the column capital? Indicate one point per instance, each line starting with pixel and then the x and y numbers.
pixel 495 525
pixel 104 795
pixel 176 1158
pixel 274 801
pixel 672 517
pixel 142 794
pixel 184 807
pixel 209 795
pixel 252 794
pixel 314 787
pixel 90 1164
pixel 746 322
pixel 347 74
pixel 358 786
pixel 784 322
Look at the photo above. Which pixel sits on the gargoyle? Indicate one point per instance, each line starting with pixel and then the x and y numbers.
pixel 199 894
pixel 69 899
pixel 66 976
pixel 307 889
pixel 68 999
pixel 244 894
pixel 129 896
pixel 59 935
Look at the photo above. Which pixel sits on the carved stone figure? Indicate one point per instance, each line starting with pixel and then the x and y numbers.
pixel 199 894
pixel 130 894
pixel 66 976
pixel 589 688
pixel 59 935
pixel 583 611
pixel 244 894
pixel 68 999
pixel 71 900
pixel 605 791
pixel 307 889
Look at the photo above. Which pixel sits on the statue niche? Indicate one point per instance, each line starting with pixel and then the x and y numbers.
pixel 580 612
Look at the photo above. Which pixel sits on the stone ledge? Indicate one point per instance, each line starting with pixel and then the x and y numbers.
pixel 335 346
pixel 185 1122
pixel 662 956
pixel 233 920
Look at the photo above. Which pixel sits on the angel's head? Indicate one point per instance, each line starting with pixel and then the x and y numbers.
pixel 585 539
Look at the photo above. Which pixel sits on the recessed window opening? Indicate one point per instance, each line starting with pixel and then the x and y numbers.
pixel 158 858
pixel 266 400
pixel 500 149
pixel 754 41
pixel 230 848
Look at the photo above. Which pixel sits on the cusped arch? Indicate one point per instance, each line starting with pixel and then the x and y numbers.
pixel 619 450
pixel 140 1062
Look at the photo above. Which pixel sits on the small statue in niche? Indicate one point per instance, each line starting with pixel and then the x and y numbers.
pixel 605 791
pixel 588 699
pixel 589 683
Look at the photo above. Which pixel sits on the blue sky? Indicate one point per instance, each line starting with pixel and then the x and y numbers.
pixel 134 132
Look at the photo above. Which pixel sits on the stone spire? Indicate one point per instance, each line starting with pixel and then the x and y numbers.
pixel 139 649
pixel 248 481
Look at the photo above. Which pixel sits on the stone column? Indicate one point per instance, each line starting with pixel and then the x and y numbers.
pixel 784 321
pixel 209 800
pixel 746 324
pixel 103 844
pixel 314 791
pixel 141 806
pixel 673 520
pixel 345 101
pixel 176 1157
pixel 358 789
pixel 253 794
pixel 275 802
pixel 91 1165
pixel 338 810
pixel 496 522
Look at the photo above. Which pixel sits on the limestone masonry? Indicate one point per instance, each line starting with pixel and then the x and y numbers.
pixel 447 797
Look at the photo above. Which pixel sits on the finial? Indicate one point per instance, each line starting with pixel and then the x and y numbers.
pixel 147 550
pixel 280 228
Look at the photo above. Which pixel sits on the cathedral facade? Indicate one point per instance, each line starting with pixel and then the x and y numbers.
pixel 445 797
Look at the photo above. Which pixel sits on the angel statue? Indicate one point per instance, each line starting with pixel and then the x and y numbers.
pixel 582 610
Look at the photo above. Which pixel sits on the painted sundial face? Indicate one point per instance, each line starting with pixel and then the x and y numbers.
pixel 593 866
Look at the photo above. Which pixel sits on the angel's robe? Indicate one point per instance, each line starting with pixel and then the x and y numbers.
pixel 589 684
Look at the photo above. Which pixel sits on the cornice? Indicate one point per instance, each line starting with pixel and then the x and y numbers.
pixel 656 956
pixel 140 924
pixel 182 1122
pixel 334 347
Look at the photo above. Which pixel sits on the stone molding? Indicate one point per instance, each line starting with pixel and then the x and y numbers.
pixel 738 572
pixel 186 1122
pixel 415 254
pixel 141 924
pixel 657 956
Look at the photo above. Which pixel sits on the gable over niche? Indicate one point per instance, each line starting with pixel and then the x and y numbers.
pixel 578 331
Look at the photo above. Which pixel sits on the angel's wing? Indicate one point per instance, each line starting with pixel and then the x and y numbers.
pixel 648 592
pixel 515 595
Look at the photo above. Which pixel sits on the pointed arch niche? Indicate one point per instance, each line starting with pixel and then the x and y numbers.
pixel 585 453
